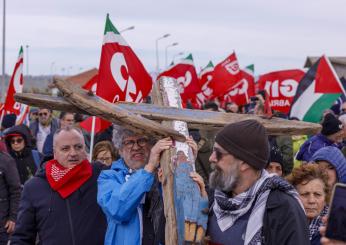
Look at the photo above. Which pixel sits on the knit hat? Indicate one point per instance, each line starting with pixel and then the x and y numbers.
pixel 331 125
pixel 276 156
pixel 9 120
pixel 246 140
pixel 335 157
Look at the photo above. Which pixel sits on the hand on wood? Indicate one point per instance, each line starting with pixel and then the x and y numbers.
pixel 199 180
pixel 155 153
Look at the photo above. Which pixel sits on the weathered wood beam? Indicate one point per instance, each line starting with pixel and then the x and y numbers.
pixel 99 107
pixel 166 163
pixel 196 119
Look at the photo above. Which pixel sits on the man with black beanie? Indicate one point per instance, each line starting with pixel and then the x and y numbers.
pixel 331 134
pixel 250 206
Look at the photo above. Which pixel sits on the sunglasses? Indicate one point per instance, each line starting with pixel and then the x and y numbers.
pixel 42 114
pixel 219 155
pixel 140 142
pixel 18 141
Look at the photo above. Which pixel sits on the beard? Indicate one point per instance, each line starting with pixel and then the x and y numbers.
pixel 225 182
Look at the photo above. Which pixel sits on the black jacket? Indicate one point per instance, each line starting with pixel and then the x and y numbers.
pixel 9 190
pixel 24 160
pixel 76 220
pixel 284 221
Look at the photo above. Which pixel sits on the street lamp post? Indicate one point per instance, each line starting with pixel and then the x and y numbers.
pixel 3 51
pixel 171 45
pixel 127 29
pixel 176 55
pixel 157 51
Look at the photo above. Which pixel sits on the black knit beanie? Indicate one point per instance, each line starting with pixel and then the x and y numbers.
pixel 247 141
pixel 331 125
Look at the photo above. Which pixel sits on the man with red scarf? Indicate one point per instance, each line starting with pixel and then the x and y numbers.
pixel 59 203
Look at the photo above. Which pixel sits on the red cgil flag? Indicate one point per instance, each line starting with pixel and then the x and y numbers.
pixel 15 86
pixel 185 74
pixel 226 74
pixel 122 76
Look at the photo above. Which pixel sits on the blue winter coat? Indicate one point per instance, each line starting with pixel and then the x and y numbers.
pixel 121 202
pixel 312 145
pixel 76 220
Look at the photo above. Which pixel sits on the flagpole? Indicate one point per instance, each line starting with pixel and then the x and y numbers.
pixel 92 139
pixel 3 51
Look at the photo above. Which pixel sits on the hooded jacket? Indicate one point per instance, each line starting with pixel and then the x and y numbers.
pixel 76 220
pixel 312 145
pixel 26 163
pixel 335 157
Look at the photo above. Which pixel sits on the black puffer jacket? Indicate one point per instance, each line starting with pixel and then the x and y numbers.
pixel 9 190
pixel 25 161
pixel 76 220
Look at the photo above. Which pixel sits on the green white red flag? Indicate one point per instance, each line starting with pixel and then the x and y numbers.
pixel 318 90
pixel 185 74
pixel 121 76
pixel 15 86
pixel 281 87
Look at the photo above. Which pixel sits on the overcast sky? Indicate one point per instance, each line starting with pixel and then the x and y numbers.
pixel 65 36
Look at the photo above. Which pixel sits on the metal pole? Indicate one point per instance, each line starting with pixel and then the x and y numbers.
pixel 127 29
pixel 157 51
pixel 3 52
pixel 166 49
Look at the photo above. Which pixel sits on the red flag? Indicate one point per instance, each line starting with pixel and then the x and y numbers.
pixel 205 77
pixel 185 74
pixel 91 85
pixel 15 86
pixel 281 87
pixel 122 76
pixel 326 74
pixel 242 90
pixel 226 74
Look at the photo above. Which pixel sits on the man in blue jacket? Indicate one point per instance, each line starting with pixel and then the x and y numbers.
pixel 59 203
pixel 129 192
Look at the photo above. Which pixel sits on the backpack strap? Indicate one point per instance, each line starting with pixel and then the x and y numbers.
pixel 37 158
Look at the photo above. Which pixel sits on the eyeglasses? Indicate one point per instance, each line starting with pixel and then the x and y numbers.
pixel 219 154
pixel 42 114
pixel 140 142
pixel 18 141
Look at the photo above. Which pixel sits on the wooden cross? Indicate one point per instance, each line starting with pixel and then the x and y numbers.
pixel 164 119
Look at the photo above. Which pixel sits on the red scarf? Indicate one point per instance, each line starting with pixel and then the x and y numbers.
pixel 67 180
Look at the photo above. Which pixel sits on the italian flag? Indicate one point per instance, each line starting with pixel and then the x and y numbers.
pixel 317 91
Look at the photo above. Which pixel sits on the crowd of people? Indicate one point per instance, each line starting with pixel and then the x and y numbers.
pixel 261 189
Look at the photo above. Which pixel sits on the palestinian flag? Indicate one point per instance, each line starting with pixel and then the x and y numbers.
pixel 317 91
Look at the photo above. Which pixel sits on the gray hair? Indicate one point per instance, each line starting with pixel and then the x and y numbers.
pixel 67 129
pixel 120 133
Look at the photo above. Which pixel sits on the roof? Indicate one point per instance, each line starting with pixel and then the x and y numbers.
pixel 82 78
pixel 338 62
